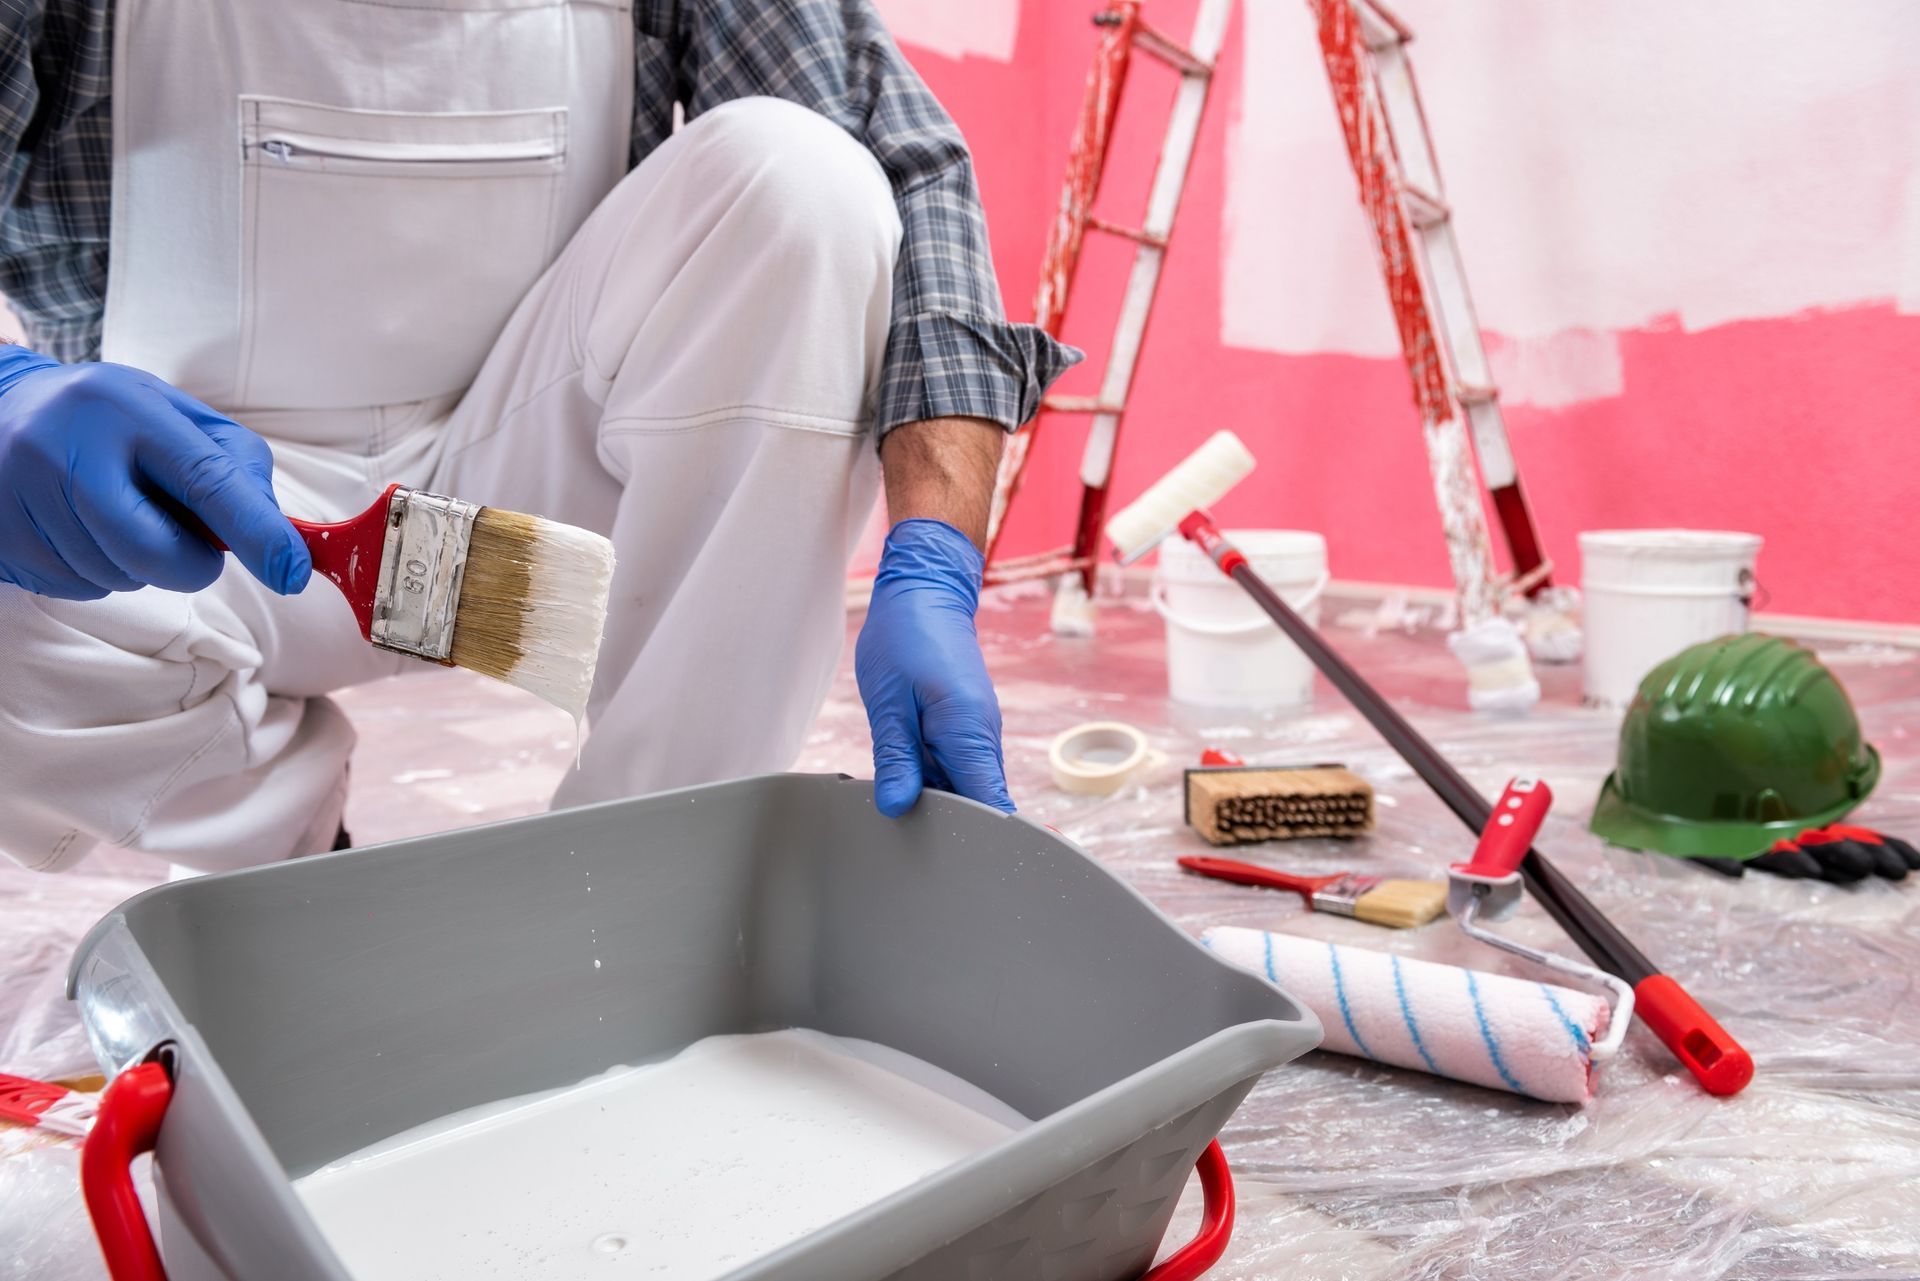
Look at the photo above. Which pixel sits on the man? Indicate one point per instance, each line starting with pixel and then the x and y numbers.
pixel 462 246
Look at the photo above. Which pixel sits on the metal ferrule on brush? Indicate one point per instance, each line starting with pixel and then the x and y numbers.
pixel 1342 898
pixel 421 565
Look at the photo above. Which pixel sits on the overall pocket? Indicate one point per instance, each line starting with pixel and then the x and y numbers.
pixel 382 252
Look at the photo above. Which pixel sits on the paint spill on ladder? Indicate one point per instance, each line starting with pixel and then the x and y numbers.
pixel 1385 128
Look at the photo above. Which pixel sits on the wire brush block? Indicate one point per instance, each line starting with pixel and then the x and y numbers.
pixel 1277 803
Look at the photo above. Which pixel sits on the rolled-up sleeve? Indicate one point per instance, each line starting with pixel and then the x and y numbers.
pixel 951 352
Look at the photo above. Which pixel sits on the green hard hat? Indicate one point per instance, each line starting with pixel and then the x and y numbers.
pixel 1731 745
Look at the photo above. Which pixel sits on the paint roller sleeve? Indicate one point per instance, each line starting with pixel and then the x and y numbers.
pixel 1505 1033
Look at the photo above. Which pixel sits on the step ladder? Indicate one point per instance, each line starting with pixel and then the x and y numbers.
pixel 1123 32
pixel 1385 127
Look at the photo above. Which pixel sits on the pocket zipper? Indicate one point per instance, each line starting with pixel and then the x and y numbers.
pixel 290 150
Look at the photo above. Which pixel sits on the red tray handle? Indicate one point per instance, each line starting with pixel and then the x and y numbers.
pixel 128 1124
pixel 1216 1223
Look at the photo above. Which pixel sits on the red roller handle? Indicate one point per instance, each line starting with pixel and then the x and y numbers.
pixel 1216 1223
pixel 1510 830
pixel 1719 1062
pixel 129 1123
pixel 1199 527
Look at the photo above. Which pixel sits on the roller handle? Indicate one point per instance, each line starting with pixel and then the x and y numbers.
pixel 1216 1223
pixel 128 1124
pixel 1508 834
pixel 1226 869
pixel 1717 1061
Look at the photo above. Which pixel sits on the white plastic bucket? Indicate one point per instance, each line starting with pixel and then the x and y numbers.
pixel 1650 593
pixel 1222 649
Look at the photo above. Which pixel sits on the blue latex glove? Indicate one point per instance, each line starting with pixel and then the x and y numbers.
pixel 935 720
pixel 95 458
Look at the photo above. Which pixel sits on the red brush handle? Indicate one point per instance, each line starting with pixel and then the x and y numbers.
pixel 1510 830
pixel 1226 869
pixel 1216 1223
pixel 346 553
pixel 1703 1047
pixel 129 1123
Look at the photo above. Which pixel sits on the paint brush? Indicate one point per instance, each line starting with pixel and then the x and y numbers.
pixel 510 596
pixel 1399 905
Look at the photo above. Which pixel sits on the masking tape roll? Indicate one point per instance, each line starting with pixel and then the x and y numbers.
pixel 1098 758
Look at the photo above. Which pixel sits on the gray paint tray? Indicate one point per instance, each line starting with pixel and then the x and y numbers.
pixel 317 1006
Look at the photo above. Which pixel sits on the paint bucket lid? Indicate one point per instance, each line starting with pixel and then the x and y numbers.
pixel 1670 544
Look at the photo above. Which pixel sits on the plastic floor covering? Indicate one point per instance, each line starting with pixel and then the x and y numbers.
pixel 1346 1169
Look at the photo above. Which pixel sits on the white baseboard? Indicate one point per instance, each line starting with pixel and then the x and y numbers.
pixel 1133 580
pixel 1801 625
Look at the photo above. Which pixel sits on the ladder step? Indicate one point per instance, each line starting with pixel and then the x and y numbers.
pixel 1426 209
pixel 1041 565
pixel 1171 52
pixel 1138 235
pixel 1080 405
pixel 1468 394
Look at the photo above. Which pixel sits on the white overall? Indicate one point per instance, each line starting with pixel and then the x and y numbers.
pixel 396 240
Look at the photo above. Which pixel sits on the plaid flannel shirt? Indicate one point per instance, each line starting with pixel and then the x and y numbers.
pixel 950 350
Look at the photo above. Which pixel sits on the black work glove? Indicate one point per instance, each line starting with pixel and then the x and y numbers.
pixel 1840 854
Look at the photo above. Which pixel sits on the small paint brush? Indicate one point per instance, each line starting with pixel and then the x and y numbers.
pixel 510 596
pixel 1397 904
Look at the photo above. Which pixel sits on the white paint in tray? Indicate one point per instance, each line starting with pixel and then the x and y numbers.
pixel 689 1168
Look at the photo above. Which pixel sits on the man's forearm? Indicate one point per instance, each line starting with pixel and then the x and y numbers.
pixel 943 469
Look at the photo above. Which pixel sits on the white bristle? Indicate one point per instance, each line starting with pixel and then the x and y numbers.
pixel 566 612
pixel 1202 479
pixel 533 605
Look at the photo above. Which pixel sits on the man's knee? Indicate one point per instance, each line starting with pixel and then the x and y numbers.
pixel 797 177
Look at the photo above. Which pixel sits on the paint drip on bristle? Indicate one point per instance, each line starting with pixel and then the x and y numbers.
pixel 1499 675
pixel 533 602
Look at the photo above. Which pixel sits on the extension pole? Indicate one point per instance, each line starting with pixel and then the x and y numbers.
pixel 1701 1044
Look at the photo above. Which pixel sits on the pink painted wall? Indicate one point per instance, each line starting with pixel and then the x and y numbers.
pixel 1694 238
